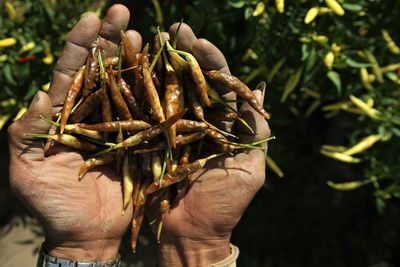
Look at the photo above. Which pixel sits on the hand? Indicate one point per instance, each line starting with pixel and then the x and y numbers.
pixel 197 231
pixel 82 219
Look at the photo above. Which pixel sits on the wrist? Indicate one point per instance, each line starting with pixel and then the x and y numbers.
pixel 188 252
pixel 100 250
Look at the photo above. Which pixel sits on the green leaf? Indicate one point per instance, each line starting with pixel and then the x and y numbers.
pixel 352 7
pixel 356 64
pixel 8 75
pixel 334 77
pixel 236 4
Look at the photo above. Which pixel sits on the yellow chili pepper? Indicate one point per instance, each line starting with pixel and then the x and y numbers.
pixel 371 112
pixel 12 15
pixel 3 58
pixel 312 93
pixel 8 103
pixel 340 156
pixel 48 59
pixel 312 13
pixel 335 7
pixel 335 106
pixel 393 47
pixel 336 49
pixel 46 87
pixel 323 10
pixel 365 79
pixel 363 145
pixel 260 7
pixel 4 119
pixel 375 66
pixel 347 185
pixel 7 42
pixel 329 59
pixel 305 40
pixel 20 113
pixel 27 47
pixel 280 5
pixel 333 148
pixel 321 39
pixel 273 166
pixel 391 67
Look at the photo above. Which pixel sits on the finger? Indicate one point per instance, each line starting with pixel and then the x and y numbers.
pixel 186 36
pixel 116 19
pixel 255 120
pixel 22 145
pixel 136 40
pixel 73 56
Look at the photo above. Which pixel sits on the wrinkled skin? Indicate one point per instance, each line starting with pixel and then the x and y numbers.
pixel 82 219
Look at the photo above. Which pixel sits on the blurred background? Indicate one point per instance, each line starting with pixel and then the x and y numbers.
pixel 333 75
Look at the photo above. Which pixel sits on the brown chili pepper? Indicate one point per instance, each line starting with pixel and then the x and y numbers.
pixel 111 61
pixel 92 62
pixel 131 101
pixel 88 106
pixel 72 93
pixel 234 84
pixel 120 105
pixel 179 174
pixel 114 126
pixel 190 126
pixel 222 115
pixel 185 157
pixel 150 133
pixel 171 100
pixel 194 104
pixel 106 112
pixel 90 163
pixel 156 82
pixel 189 138
pixel 152 95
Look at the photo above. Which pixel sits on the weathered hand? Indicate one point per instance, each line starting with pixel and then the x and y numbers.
pixel 82 219
pixel 197 231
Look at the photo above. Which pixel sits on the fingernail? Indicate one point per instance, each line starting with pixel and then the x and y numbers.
pixel 261 87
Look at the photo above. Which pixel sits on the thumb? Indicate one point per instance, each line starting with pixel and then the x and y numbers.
pixel 22 145
pixel 254 119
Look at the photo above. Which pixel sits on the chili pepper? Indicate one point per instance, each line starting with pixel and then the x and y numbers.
pixel 291 84
pixel 197 77
pixel 347 185
pixel 194 104
pixel 156 147
pixel 183 125
pixel 120 105
pixel 7 42
pixel 234 84
pixel 273 166
pixel 90 70
pixel 180 173
pixel 72 93
pixel 280 5
pixel 120 153
pixel 150 133
pixel 172 95
pixel 131 101
pixel 159 65
pixel 312 13
pixel 94 162
pixel 127 182
pixel 114 126
pixel 140 202
pixel 67 140
pixel 88 105
pixel 177 62
pixel 185 157
pixel 391 44
pixel 340 156
pixel 152 95
pixel 363 145
pixel 156 82
pixel 189 138
pixel 164 208
pixel 111 61
pixel 74 128
pixel 130 55
pixel 335 7
pixel 371 112
pixel 156 166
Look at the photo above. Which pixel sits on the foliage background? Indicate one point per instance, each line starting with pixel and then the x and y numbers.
pixel 297 220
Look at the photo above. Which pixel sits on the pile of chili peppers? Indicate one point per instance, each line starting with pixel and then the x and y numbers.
pixel 150 116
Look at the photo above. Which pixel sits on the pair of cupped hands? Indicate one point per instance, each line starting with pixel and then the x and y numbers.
pixel 82 220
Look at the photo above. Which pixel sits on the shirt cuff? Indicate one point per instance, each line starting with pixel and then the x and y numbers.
pixel 230 261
